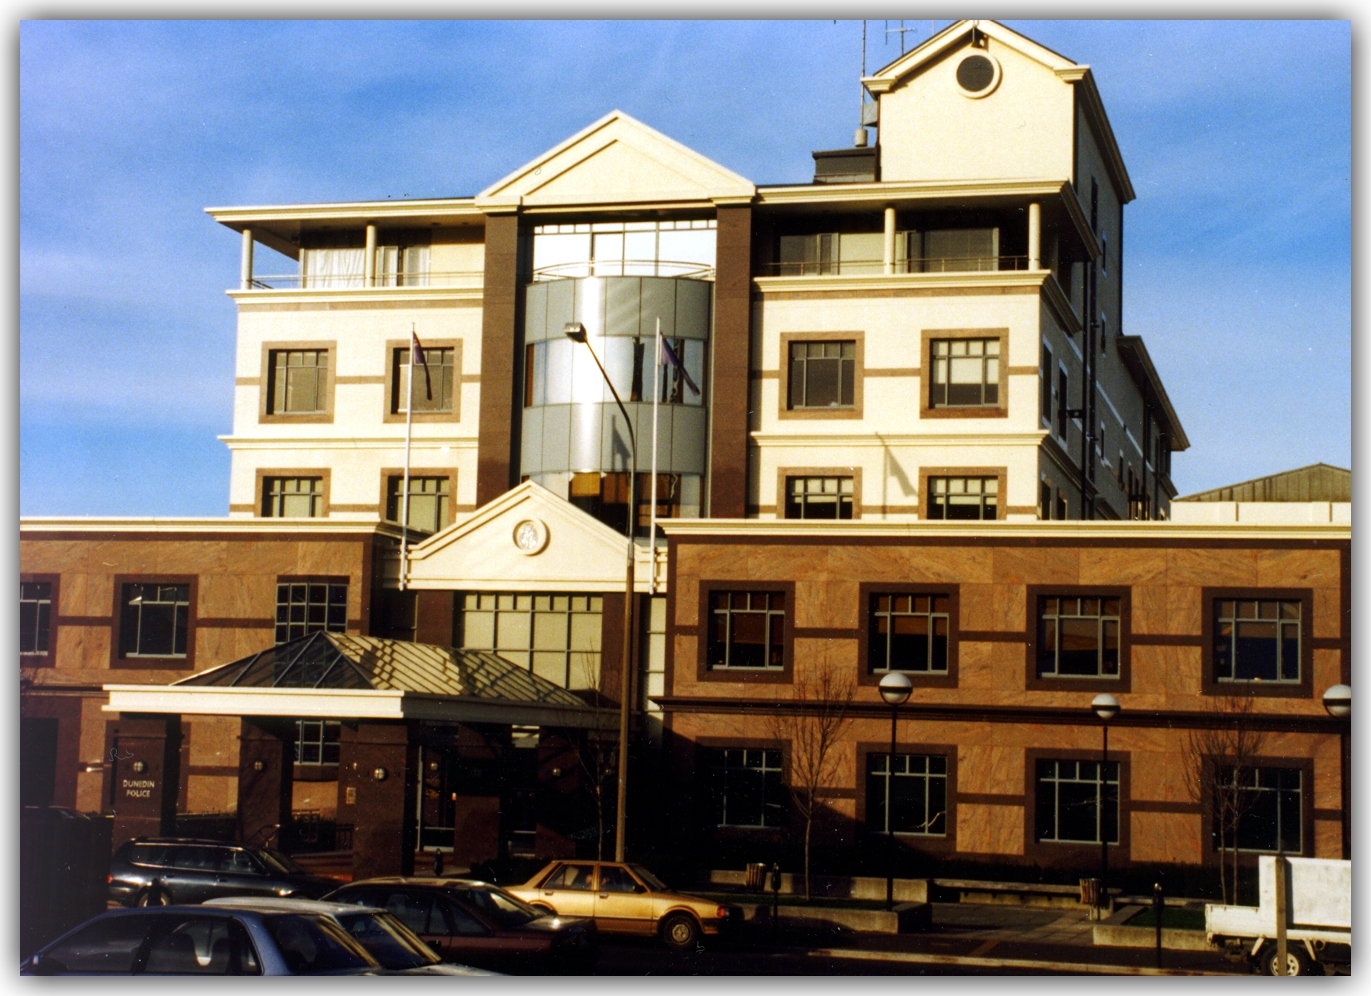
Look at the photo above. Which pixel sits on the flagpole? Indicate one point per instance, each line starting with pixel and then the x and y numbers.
pixel 409 423
pixel 656 396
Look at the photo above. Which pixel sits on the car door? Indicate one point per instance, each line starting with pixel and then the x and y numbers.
pixel 623 905
pixel 469 940
pixel 191 879
pixel 416 910
pixel 241 874
pixel 570 889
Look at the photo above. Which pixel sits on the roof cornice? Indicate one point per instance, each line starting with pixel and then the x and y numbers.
pixel 1139 363
pixel 1008 530
pixel 32 525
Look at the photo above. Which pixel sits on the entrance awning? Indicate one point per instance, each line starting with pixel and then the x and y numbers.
pixel 331 675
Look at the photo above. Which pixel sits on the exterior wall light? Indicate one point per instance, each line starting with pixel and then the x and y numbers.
pixel 380 774
pixel 139 767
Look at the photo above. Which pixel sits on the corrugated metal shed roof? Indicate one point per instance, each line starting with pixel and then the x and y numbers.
pixel 1317 482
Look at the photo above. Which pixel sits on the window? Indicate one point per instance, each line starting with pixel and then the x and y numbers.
pixel 299 382
pixel 1074 805
pixel 614 879
pixel 1078 637
pixel 332 268
pixel 1045 386
pixel 955 250
pixel 966 373
pixel 428 501
pixel 962 497
pixel 304 607
pixel 1104 255
pixel 746 629
pixel 154 620
pixel 316 741
pixel 618 248
pixel 1063 383
pixel 908 633
pixel 577 878
pixel 292 497
pixel 432 388
pixel 818 497
pixel 35 613
pixel 1061 505
pixel 1257 640
pixel 1104 333
pixel 1270 808
pixel 911 799
pixel 823 374
pixel 558 372
pixel 402 266
pixel 557 637
pixel 747 787
pixel 1044 500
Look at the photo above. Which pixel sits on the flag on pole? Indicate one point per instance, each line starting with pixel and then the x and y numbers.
pixel 416 353
pixel 675 361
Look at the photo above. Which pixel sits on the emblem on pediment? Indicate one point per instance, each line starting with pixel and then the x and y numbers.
pixel 530 536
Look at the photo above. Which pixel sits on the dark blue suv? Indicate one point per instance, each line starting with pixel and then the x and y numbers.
pixel 159 871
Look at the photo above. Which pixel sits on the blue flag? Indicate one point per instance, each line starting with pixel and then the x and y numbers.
pixel 675 361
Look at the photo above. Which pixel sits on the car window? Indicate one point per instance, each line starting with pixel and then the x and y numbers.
pixel 241 863
pixel 414 910
pixel 462 922
pixel 497 905
pixel 615 879
pixel 313 944
pixel 191 858
pixel 387 940
pixel 108 944
pixel 189 945
pixel 578 878
pixel 653 882
pixel 278 861
pixel 358 897
pixel 148 854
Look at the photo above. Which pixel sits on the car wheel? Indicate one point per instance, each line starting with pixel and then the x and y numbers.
pixel 1296 961
pixel 154 897
pixel 680 931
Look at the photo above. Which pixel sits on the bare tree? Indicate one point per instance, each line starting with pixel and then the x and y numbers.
pixel 1220 758
pixel 597 750
pixel 814 724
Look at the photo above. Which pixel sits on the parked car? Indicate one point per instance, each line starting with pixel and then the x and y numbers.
pixel 626 899
pixel 386 939
pixel 202 940
pixel 476 923
pixel 160 871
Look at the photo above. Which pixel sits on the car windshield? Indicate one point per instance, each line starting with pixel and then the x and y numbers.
pixel 279 862
pixel 497 905
pixel 389 941
pixel 653 882
pixel 314 945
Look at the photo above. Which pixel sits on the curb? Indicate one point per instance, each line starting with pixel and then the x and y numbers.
pixel 1090 968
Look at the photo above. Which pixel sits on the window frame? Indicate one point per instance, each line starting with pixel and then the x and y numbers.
pixel 781 675
pixel 919 679
pixel 285 579
pixel 784 474
pixel 1308 814
pixel 1001 475
pixel 1122 683
pixel 117 659
pixel 705 800
pixel 927 409
pixel 389 414
pixel 260 495
pixel 1052 853
pixel 267 385
pixel 853 411
pixel 450 473
pixel 1304 688
pixel 945 842
pixel 48 658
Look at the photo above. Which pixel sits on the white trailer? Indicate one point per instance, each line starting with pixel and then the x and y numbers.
pixel 1318 917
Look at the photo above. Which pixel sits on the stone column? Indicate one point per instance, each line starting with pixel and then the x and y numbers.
pixel 369 261
pixel 728 392
pixel 266 766
pixel 144 776
pixel 245 278
pixel 501 405
pixel 377 785
pixel 890 238
pixel 1035 236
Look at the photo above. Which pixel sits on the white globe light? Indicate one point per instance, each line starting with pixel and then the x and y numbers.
pixel 895 687
pixel 1338 701
pixel 1105 706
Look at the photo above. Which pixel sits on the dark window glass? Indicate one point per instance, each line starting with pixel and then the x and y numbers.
pixel 1270 809
pixel 1257 640
pixel 316 741
pixel 35 610
pixel 196 945
pixel 1078 637
pixel 190 858
pixel 299 381
pixel 966 373
pixel 154 855
pixel 822 374
pixel 304 607
pixel 429 507
pixel 108 944
pixel 746 629
pixel 387 941
pixel 908 633
pixel 818 497
pixel 154 620
pixel 314 944
pixel 579 878
pixel 241 863
pixel 747 787
pixel 415 910
pixel 1069 807
pixel 615 879
pixel 1045 385
pixel 963 497
pixel 1062 403
pixel 912 799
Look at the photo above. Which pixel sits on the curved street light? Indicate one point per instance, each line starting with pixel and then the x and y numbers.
pixel 895 688
pixel 1106 707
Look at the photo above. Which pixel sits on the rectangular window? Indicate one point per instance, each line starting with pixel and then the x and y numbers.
pixel 428 501
pixel 332 269
pixel 823 374
pixel 557 637
pixel 1061 505
pixel 1044 500
pixel 1257 640
pixel 299 382
pixel 1074 805
pixel 818 497
pixel 747 629
pixel 966 373
pixel 747 787
pixel 292 497
pixel 316 741
pixel 908 633
pixel 402 266
pixel 1078 637
pixel 154 619
pixel 1270 809
pixel 963 497
pixel 35 613
pixel 956 250
pixel 911 798
pixel 304 607
pixel 1045 386
pixel 432 388
pixel 1062 404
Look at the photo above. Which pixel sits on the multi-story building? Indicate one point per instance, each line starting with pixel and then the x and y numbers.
pixel 929 331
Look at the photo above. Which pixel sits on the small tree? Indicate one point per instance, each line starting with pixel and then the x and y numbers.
pixel 1220 756
pixel 597 750
pixel 813 725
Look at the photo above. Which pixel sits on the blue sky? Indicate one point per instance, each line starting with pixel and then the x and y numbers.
pixel 1237 135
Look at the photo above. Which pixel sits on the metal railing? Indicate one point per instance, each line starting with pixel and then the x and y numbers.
pixel 625 268
pixel 297 281
pixel 938 264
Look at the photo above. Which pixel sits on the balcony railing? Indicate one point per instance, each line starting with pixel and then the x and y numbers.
pixel 944 264
pixel 625 268
pixel 296 281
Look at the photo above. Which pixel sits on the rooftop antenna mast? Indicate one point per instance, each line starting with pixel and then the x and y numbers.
pixel 859 138
pixel 901 31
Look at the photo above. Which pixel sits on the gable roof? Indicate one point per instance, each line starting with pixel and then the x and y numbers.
pixel 616 160
pixel 1316 482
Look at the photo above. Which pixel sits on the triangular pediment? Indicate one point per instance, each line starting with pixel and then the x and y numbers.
pixel 955 36
pixel 616 160
pixel 528 539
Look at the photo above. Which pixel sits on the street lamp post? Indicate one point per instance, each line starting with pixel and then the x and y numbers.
pixel 1338 701
pixel 576 332
pixel 1106 707
pixel 895 688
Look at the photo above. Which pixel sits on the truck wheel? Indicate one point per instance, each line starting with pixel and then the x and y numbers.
pixel 680 931
pixel 1296 961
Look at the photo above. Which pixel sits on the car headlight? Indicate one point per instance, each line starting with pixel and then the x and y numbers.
pixel 285 892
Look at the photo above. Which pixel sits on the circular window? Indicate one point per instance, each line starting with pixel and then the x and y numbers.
pixel 978 75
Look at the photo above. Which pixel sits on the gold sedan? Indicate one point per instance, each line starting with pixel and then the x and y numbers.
pixel 626 899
